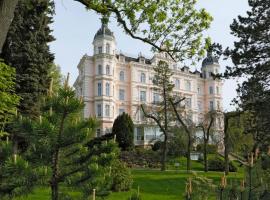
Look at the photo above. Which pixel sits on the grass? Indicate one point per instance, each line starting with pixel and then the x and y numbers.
pixel 154 185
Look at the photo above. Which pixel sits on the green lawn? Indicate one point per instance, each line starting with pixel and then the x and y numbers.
pixel 154 185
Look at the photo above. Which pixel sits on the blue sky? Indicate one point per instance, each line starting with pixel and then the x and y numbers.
pixel 74 28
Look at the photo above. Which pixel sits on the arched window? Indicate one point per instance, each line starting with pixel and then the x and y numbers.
pixel 99 69
pixel 99 89
pixel 107 70
pixel 108 48
pixel 122 76
pixel 143 79
pixel 107 89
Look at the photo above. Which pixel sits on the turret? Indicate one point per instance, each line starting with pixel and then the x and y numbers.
pixel 210 65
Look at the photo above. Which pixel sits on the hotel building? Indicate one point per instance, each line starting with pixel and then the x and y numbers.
pixel 112 83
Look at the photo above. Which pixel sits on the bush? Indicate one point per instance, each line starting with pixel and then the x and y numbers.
pixel 123 128
pixel 211 148
pixel 218 164
pixel 121 180
pixel 135 196
pixel 157 146
pixel 141 158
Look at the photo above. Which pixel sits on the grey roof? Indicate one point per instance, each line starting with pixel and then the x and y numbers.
pixel 104 30
pixel 210 60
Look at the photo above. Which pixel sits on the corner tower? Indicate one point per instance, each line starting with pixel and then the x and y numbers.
pixel 104 66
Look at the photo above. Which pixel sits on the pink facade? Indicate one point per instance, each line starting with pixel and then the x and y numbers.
pixel 111 83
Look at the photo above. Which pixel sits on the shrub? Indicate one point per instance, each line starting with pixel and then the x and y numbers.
pixel 123 128
pixel 157 146
pixel 121 180
pixel 211 148
pixel 135 196
pixel 265 162
pixel 217 164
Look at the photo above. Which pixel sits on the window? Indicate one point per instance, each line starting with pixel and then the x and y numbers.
pixel 122 94
pixel 107 110
pixel 188 85
pixel 211 105
pixel 155 97
pixel 199 90
pixel 108 48
pixel 218 105
pixel 108 70
pixel 99 110
pixel 199 106
pixel 99 50
pixel 122 76
pixel 121 111
pixel 99 89
pixel 99 69
pixel 143 77
pixel 217 90
pixel 177 84
pixel 188 102
pixel 211 91
pixel 143 96
pixel 107 89
pixel 140 134
pixel 210 74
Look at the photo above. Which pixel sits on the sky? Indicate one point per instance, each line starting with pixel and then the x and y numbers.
pixel 74 28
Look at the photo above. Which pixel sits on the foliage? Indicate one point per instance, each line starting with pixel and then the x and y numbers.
pixel 26 49
pixel 250 56
pixel 217 164
pixel 211 148
pixel 178 141
pixel 202 187
pixel 240 142
pixel 123 128
pixel 171 26
pixel 121 177
pixel 17 176
pixel 8 99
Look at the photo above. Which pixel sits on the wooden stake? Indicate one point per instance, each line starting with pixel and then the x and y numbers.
pixel 94 194
pixel 51 88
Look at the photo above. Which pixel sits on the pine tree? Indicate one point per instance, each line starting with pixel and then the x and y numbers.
pixel 26 49
pixel 123 128
pixel 251 57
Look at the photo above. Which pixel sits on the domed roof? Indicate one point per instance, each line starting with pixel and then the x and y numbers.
pixel 210 59
pixel 104 30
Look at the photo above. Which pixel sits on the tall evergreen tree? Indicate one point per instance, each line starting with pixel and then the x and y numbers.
pixel 251 57
pixel 26 49
pixel 123 128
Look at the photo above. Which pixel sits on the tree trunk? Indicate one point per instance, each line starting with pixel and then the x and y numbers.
pixel 7 9
pixel 55 163
pixel 164 154
pixel 188 153
pixel 205 156
pixel 226 145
